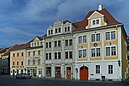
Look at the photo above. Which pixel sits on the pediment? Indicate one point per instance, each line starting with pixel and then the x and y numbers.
pixel 95 15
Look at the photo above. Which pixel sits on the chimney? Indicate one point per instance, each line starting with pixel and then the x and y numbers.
pixel 100 7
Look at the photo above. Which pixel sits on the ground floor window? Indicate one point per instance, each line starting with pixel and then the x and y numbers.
pixel 48 71
pixel 97 69
pixel 110 69
pixel 40 71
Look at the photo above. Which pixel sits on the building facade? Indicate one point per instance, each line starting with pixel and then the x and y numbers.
pixel 92 49
pixel 34 57
pixel 17 59
pixel 101 47
pixel 58 51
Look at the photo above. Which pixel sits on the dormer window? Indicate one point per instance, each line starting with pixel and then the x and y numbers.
pixel 50 32
pixel 59 30
pixel 56 30
pixel 95 22
pixel 67 29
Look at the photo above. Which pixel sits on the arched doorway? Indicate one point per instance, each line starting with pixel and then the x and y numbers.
pixel 84 73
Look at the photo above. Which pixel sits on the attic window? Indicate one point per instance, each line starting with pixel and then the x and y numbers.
pixel 95 22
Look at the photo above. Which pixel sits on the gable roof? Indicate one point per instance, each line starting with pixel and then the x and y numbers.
pixel 108 18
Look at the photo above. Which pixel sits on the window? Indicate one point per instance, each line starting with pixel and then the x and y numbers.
pixel 55 55
pixel 70 55
pixel 33 53
pixel 95 52
pixel 95 37
pixel 59 30
pixel 39 52
pixel 33 62
pixel 110 35
pixel 38 61
pixel 80 39
pixel 28 54
pixel 107 35
pixel 17 54
pixel 55 43
pixel 110 69
pixel 56 30
pixel 28 62
pixel 21 62
pixel 13 63
pixel 97 69
pixel 48 71
pixel 49 32
pixel 67 29
pixel 59 55
pixel 17 63
pixel 22 54
pixel 98 37
pixel 46 56
pixel 95 22
pixel 66 55
pixel 49 55
pixel 82 53
pixel 49 44
pixel 59 43
pixel 84 39
pixel 66 42
pixel 70 42
pixel 111 51
pixel 13 54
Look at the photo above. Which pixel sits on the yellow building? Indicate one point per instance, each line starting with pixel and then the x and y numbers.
pixel 101 47
pixel 17 59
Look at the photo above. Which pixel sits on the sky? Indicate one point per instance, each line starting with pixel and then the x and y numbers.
pixel 22 20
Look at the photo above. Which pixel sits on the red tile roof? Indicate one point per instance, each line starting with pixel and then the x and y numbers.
pixel 109 19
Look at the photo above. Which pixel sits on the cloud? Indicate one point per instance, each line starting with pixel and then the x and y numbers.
pixel 21 20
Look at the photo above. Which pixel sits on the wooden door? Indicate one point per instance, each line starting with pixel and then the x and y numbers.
pixel 68 73
pixel 57 73
pixel 84 73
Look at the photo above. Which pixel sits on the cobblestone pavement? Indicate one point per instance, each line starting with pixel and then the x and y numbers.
pixel 11 81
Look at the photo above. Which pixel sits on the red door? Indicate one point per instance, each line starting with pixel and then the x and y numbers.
pixel 84 73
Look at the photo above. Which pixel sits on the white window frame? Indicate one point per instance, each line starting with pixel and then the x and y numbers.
pixel 57 55
pixel 82 52
pixel 95 51
pixel 82 39
pixel 69 54
pixel 110 70
pixel 110 47
pixel 110 35
pixel 98 70
pixel 95 22
pixel 95 37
